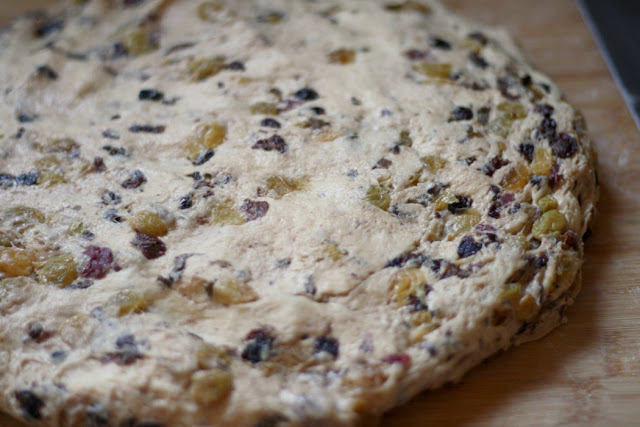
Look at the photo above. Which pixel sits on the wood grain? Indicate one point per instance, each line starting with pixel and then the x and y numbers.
pixel 586 372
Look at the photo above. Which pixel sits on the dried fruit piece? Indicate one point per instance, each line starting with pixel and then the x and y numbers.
pixel 129 301
pixel 461 223
pixel 507 113
pixel 327 345
pixel 60 270
pixel 210 386
pixel 412 6
pixel 511 293
pixel 224 213
pixel 527 307
pixel 433 70
pixel 551 224
pixel 342 56
pixel 279 186
pixel 16 262
pixel 150 246
pixel 379 196
pixel 233 291
pixel 516 178
pixel 547 203
pixel 407 282
pixel 135 180
pixel 200 69
pixel 259 347
pixel 140 41
pixel 275 142
pixel 149 223
pixel 100 262
pixel 542 161
pixel 254 209
pixel 207 10
pixel 434 163
pixel 21 218
pixel 266 108
pixel 563 145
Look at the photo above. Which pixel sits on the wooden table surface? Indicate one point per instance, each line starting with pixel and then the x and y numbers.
pixel 587 372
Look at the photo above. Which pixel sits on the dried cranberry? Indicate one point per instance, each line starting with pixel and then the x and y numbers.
pixel 327 344
pixel 100 262
pixel 554 177
pixel 468 247
pixel 527 151
pixel 563 145
pixel 254 209
pixel 403 358
pixel 150 246
pixel 276 142
pixel 461 113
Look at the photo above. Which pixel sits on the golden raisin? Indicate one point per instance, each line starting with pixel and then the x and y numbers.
pixel 225 214
pixel 149 223
pixel 406 282
pixel 232 291
pixel 139 41
pixel 16 262
pixel 542 161
pixel 60 270
pixel 547 203
pixel 200 69
pixel 129 301
pixel 511 293
pixel 551 223
pixel 279 185
pixel 207 136
pixel 379 196
pixel 210 386
pixel 461 223
pixel 342 56
pixel 409 6
pixel 210 356
pixel 266 108
pixel 527 307
pixel 434 163
pixel 21 218
pixel 207 10
pixel 516 178
pixel 433 70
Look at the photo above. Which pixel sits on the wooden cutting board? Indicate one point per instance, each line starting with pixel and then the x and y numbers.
pixel 588 371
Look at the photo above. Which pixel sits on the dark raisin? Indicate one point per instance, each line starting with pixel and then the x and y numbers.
pixel 494 210
pixel 483 115
pixel 383 164
pixel 306 94
pixel 150 95
pixel 461 113
pixel 58 356
pixel 479 37
pixel 468 247
pixel 355 101
pixel 570 240
pixel 46 72
pixel 28 178
pixel 96 416
pixel 318 111
pixel 563 145
pixel 111 198
pixel 235 66
pixel 254 209
pixel 126 352
pixel 30 403
pixel 112 215
pixel 526 80
pixel 327 344
pixel 150 246
pixel 259 347
pixel 35 331
pixel 98 164
pixel 544 109
pixel 527 151
pixel 270 123
pixel 185 202
pixel 203 157
pixel 478 60
pixel 7 180
pixel 20 132
pixel 114 151
pixel 100 262
pixel 146 129
pixel 505 86
pixel 461 205
pixel 135 180
pixel 416 304
pixel 315 123
pixel 547 127
pixel 27 118
pixel 439 43
pixel 44 25
pixel 179 265
pixel 276 142
pixel 416 55
pixel 493 165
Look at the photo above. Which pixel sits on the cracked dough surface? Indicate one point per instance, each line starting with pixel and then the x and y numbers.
pixel 273 212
